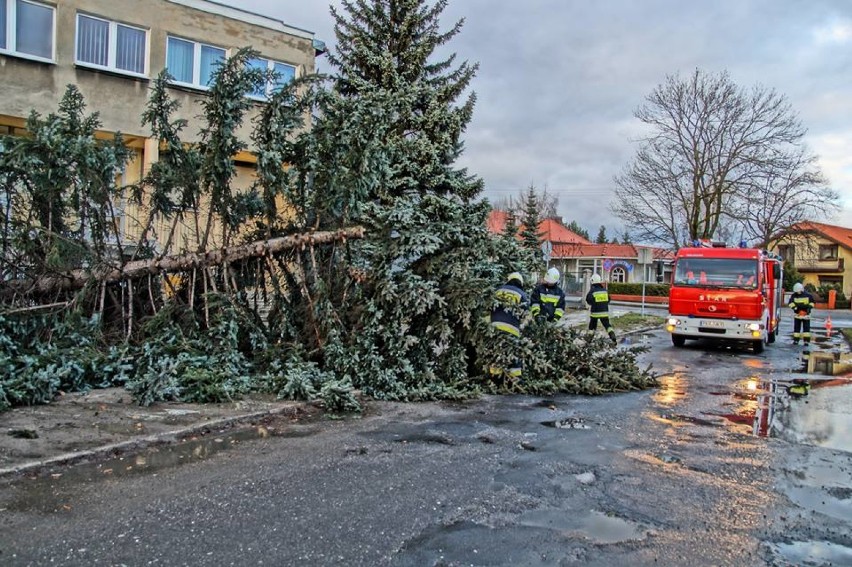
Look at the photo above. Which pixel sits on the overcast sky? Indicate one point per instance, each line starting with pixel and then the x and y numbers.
pixel 559 81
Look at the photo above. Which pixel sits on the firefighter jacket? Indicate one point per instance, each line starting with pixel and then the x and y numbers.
pixel 801 304
pixel 548 301
pixel 598 300
pixel 512 302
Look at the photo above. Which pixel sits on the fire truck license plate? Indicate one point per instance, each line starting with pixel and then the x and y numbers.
pixel 714 324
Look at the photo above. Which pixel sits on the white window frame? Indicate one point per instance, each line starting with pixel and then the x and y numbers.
pixel 196 61
pixel 618 274
pixel 11 47
pixel 112 48
pixel 270 67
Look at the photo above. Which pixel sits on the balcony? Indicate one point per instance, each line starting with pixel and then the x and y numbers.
pixel 813 265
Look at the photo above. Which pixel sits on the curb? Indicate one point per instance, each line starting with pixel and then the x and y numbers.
pixel 139 442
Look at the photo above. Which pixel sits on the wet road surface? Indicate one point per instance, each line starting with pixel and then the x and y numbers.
pixel 680 475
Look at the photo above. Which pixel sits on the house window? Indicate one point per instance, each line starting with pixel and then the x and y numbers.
pixel 618 274
pixel 26 28
pixel 191 63
pixel 110 45
pixel 788 253
pixel 828 251
pixel 282 74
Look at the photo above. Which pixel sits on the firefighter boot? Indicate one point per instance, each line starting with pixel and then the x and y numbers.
pixel 612 337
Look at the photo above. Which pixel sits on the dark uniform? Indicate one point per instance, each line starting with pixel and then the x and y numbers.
pixel 512 302
pixel 801 303
pixel 548 301
pixel 598 299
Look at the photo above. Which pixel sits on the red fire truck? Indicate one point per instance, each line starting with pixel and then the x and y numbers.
pixel 731 294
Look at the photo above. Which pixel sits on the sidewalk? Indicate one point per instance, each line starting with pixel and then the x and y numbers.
pixel 77 427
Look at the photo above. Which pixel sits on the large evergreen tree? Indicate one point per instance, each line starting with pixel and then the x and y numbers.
pixel 428 262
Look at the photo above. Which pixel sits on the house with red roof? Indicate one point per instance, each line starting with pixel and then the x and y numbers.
pixel 822 253
pixel 575 256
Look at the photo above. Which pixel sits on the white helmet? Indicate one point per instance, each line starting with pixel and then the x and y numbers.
pixel 552 276
pixel 596 278
pixel 516 276
pixel 798 288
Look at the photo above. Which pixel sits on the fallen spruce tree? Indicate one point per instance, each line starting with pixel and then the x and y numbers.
pixel 400 314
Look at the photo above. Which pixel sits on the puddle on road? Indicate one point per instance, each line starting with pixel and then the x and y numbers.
pixel 672 389
pixel 595 526
pixel 567 423
pixel 50 490
pixel 819 418
pixel 812 553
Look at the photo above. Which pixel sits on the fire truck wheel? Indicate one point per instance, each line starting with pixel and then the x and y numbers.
pixel 757 346
pixel 770 337
pixel 678 340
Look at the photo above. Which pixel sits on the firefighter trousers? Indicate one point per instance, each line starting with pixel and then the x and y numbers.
pixel 802 329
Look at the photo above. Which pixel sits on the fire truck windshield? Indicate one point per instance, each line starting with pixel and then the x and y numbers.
pixel 716 272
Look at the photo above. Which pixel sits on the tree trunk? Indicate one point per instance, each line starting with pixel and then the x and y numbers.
pixel 76 279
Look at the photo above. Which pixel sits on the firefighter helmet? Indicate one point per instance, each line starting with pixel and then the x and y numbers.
pixel 798 288
pixel 552 276
pixel 596 278
pixel 517 277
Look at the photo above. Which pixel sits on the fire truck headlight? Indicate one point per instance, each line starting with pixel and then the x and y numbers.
pixel 671 324
pixel 754 327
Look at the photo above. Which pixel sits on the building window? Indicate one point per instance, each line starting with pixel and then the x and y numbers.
pixel 282 74
pixel 26 28
pixel 191 63
pixel 618 274
pixel 110 45
pixel 788 253
pixel 828 251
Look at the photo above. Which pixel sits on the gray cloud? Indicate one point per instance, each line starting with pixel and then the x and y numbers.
pixel 559 80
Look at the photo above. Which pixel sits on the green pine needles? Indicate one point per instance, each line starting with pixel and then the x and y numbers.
pixel 400 314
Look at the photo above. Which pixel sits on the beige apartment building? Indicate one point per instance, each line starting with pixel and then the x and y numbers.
pixel 113 49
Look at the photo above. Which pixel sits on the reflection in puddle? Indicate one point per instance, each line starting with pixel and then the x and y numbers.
pixel 812 553
pixel 812 410
pixel 672 389
pixel 594 526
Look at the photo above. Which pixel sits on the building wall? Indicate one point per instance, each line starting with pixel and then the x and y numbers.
pixel 810 266
pixel 120 98
pixel 32 85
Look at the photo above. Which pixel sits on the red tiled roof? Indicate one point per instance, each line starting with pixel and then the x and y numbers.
pixel 839 234
pixel 625 251
pixel 550 229
pixel 496 221
pixel 557 233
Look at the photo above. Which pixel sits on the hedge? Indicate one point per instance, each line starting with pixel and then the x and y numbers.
pixel 653 289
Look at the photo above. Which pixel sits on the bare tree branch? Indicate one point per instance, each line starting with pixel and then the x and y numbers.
pixel 712 149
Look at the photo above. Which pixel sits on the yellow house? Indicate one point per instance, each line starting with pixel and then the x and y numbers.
pixel 112 49
pixel 822 253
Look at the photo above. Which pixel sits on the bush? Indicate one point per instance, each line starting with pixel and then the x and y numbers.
pixel 651 289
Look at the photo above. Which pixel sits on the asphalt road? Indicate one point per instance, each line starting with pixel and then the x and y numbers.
pixel 673 476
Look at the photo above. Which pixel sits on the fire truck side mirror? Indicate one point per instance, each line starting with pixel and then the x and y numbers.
pixel 776 271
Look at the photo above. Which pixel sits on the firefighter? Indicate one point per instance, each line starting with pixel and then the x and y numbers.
pixel 801 302
pixel 512 302
pixel 548 299
pixel 598 300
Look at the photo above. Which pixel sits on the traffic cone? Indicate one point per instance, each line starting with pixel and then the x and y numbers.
pixel 828 326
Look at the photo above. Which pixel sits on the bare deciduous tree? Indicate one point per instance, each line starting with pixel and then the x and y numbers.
pixel 712 148
pixel 780 199
pixel 546 203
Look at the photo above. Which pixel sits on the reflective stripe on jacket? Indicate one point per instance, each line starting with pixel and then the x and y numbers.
pixel 802 304
pixel 512 301
pixel 548 301
pixel 598 300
